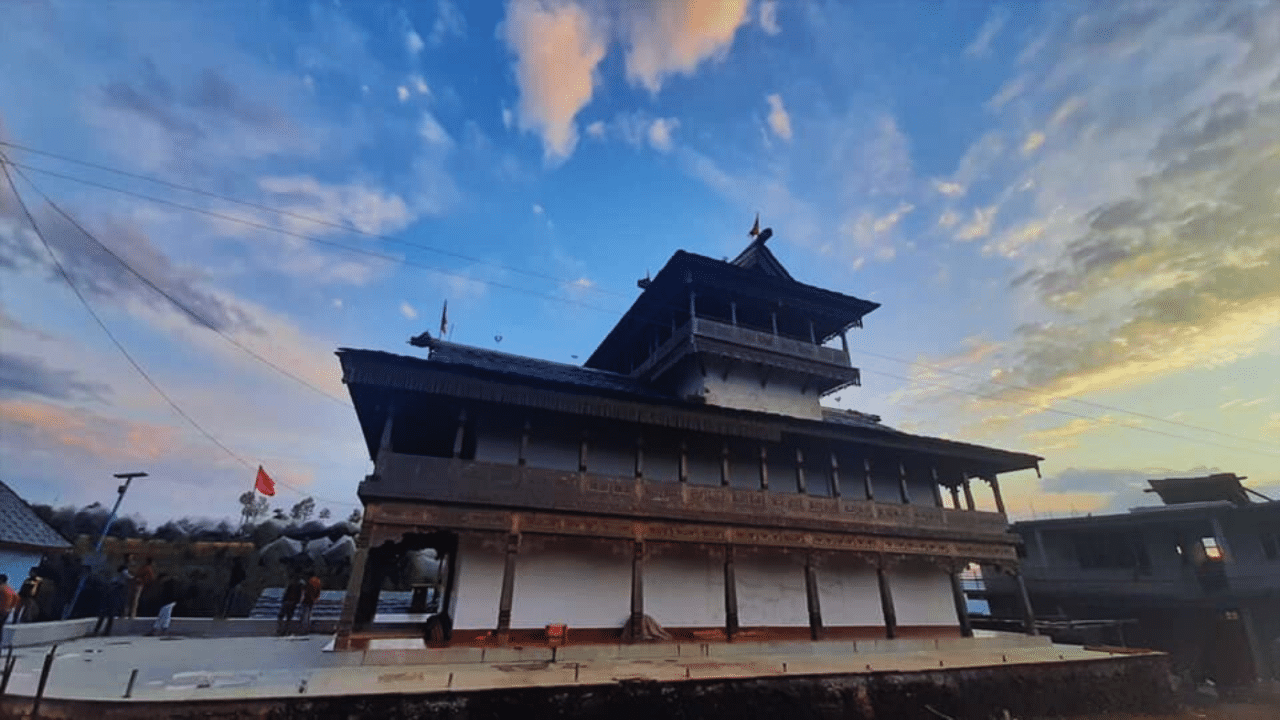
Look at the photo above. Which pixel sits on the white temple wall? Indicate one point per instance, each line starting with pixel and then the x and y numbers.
pixel 742 390
pixel 478 581
pixel 582 582
pixel 849 592
pixel 499 442
pixel 552 452
pixel 922 596
pixel 770 588
pixel 921 488
pixel 684 585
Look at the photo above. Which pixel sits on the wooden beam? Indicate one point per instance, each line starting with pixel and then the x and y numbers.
pixel 886 603
pixel 801 486
pixel 508 588
pixel 955 496
pixel 457 436
pixel 637 590
pixel 730 595
pixel 844 342
pixel 835 475
pixel 968 493
pixel 811 595
pixel 639 456
pixel 524 445
pixel 1024 601
pixel 995 491
pixel 937 487
pixel 962 605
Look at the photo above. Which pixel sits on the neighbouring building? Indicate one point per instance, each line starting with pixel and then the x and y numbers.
pixel 685 482
pixel 25 539
pixel 1199 574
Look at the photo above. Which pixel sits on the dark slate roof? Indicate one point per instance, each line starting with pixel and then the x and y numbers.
pixel 854 419
pixel 19 524
pixel 527 368
pixel 1222 486
pixel 760 258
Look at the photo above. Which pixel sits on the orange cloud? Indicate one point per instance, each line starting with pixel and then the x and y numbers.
pixel 670 38
pixel 78 431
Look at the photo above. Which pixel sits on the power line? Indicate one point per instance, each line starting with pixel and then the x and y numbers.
pixel 168 296
pixel 66 276
pixel 312 238
pixel 389 258
pixel 345 227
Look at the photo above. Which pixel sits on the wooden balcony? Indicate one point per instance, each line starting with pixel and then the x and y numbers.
pixel 444 481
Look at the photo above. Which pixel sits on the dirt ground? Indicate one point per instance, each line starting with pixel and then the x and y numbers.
pixel 1256 710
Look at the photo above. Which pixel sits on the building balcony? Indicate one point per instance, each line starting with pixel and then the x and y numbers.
pixel 734 342
pixel 446 481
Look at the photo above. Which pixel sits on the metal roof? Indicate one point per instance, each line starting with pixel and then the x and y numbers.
pixel 19 524
pixel 1221 486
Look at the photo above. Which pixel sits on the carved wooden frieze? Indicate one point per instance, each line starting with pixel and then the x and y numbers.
pixel 391 520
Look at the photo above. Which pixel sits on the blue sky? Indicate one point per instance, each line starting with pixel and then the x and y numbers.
pixel 1066 210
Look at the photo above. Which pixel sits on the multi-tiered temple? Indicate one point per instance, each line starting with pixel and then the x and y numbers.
pixel 685 482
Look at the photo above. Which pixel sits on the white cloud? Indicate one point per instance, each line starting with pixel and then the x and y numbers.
pixel 429 129
pixel 355 204
pixel 538 209
pixel 779 120
pixel 671 38
pixel 408 311
pixel 949 219
pixel 950 189
pixel 981 45
pixel 557 48
pixel 419 84
pixel 596 130
pixel 402 93
pixel 508 117
pixel 449 22
pixel 660 133
pixel 337 303
pixel 1032 143
pixel 413 41
pixel 979 226
pixel 769 17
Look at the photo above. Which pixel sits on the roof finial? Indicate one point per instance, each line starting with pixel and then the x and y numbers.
pixel 755 229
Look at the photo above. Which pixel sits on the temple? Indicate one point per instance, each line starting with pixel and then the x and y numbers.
pixel 685 483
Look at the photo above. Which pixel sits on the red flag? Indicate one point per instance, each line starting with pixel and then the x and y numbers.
pixel 264 484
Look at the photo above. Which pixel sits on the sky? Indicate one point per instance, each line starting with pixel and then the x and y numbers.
pixel 1067 210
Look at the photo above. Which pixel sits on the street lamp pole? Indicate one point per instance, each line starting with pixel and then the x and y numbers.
pixel 97 550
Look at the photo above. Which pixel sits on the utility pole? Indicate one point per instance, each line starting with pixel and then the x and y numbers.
pixel 97 550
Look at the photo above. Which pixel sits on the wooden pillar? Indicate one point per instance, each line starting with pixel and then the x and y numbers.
pixel 733 312
pixel 460 433
pixel 724 464
pixel 955 496
pixel 813 334
pixel 637 590
pixel 937 488
pixel 886 602
pixel 1024 601
pixel 995 491
pixel 801 486
pixel 384 446
pixel 835 475
pixel 639 456
pixel 844 341
pixel 968 493
pixel 359 567
pixel 693 305
pixel 508 588
pixel 524 445
pixel 902 484
pixel 684 461
pixel 867 486
pixel 811 595
pixel 764 467
pixel 582 453
pixel 773 314
pixel 730 595
pixel 962 605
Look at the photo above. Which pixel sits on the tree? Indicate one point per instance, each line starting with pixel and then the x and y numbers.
pixel 252 506
pixel 354 517
pixel 301 512
pixel 279 514
pixel 324 514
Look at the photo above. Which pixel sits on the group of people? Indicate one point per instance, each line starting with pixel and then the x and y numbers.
pixel 121 596
pixel 298 592
pixel 22 604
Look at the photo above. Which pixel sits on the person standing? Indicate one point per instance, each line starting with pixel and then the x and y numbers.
pixel 140 580
pixel 112 602
pixel 237 577
pixel 8 601
pixel 310 594
pixel 29 605
pixel 288 605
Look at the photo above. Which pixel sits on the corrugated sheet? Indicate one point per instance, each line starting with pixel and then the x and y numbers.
pixel 19 524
